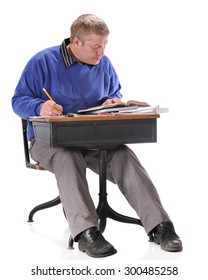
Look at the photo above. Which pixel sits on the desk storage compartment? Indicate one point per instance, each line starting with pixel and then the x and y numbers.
pixel 96 133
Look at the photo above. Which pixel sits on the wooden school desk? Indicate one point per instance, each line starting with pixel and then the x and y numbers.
pixel 98 132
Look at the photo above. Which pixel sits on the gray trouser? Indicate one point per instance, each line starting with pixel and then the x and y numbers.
pixel 123 168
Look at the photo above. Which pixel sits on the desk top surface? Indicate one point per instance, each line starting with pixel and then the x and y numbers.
pixel 82 118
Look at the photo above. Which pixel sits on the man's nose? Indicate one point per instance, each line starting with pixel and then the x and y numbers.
pixel 101 51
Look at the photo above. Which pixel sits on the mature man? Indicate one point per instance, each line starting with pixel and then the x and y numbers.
pixel 78 75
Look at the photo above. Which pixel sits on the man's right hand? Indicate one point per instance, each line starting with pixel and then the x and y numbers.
pixel 50 108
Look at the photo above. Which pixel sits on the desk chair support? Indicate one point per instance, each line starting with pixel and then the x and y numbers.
pixel 104 210
pixel 28 164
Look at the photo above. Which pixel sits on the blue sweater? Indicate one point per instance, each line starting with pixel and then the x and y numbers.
pixel 70 84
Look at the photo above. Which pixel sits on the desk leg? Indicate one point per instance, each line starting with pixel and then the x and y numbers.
pixel 104 210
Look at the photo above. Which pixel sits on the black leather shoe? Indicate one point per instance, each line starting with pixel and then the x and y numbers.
pixel 94 244
pixel 164 234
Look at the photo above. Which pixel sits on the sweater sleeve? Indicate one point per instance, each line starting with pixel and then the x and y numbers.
pixel 26 102
pixel 114 83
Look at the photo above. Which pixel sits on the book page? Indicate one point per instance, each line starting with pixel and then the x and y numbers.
pixel 135 102
pixel 119 103
pixel 116 104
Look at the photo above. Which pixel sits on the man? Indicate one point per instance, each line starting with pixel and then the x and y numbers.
pixel 78 75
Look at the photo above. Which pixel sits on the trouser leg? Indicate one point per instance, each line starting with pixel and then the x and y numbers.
pixel 69 168
pixel 125 170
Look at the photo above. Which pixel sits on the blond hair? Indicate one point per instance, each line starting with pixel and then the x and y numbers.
pixel 88 24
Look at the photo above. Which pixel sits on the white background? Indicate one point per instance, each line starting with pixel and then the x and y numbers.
pixel 160 52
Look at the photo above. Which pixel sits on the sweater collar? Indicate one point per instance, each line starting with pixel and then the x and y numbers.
pixel 67 57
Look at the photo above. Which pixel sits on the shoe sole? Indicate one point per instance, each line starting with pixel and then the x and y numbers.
pixel 97 256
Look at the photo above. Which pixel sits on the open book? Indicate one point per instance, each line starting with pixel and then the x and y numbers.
pixel 114 107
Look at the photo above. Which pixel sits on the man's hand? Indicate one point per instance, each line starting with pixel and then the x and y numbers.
pixel 110 101
pixel 50 108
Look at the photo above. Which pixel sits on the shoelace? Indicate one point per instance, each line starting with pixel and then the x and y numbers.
pixel 168 232
pixel 71 239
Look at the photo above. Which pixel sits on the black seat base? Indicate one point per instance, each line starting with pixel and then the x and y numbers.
pixel 43 206
pixel 104 210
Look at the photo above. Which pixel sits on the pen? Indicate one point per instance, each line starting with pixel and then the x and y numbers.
pixel 48 94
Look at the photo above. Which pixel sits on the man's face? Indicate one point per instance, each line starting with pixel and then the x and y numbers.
pixel 91 50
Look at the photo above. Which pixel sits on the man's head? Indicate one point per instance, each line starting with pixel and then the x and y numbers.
pixel 89 36
pixel 86 25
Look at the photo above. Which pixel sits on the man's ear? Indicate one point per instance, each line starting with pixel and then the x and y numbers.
pixel 76 41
